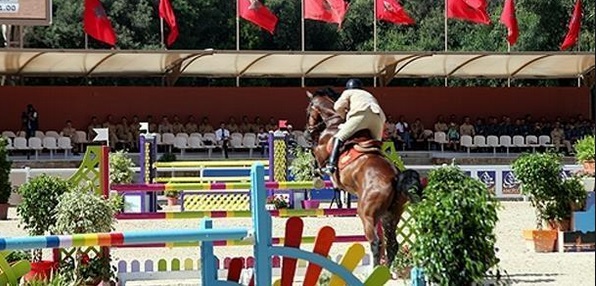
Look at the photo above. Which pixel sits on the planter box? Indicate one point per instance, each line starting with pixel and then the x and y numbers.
pixel 541 240
pixel 310 204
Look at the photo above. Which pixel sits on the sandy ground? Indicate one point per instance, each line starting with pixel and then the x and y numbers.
pixel 525 267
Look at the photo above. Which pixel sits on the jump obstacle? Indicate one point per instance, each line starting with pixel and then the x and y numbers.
pixel 263 250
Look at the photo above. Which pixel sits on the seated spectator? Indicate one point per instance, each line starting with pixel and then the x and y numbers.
pixel 263 139
pixel 222 135
pixel 453 137
pixel 111 130
pixel 205 126
pixel 152 125
pixel 124 133
pixel 135 130
pixel 271 125
pixel 232 126
pixel 467 128
pixel 190 126
pixel 557 136
pixel 480 127
pixel 403 131
pixel 94 124
pixel 492 128
pixel 441 125
pixel 177 127
pixel 71 132
pixel 245 126
pixel 389 129
pixel 257 124
pixel 165 126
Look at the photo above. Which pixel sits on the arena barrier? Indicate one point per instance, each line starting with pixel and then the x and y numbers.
pixel 263 249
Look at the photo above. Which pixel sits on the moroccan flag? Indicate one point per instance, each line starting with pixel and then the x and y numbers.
pixel 330 11
pixel 96 23
pixel 510 21
pixel 471 10
pixel 255 12
pixel 167 13
pixel 574 27
pixel 392 11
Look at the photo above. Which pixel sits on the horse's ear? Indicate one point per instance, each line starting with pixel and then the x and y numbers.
pixel 309 94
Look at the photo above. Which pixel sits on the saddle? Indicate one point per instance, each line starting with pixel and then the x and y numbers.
pixel 357 145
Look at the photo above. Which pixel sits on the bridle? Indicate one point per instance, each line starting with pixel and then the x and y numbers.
pixel 316 121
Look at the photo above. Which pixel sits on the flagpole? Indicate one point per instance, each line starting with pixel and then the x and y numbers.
pixel 375 34
pixel 237 35
pixel 302 32
pixel 446 33
pixel 162 32
pixel 579 48
pixel 508 51
pixel 86 41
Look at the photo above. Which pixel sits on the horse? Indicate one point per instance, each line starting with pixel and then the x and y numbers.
pixel 382 190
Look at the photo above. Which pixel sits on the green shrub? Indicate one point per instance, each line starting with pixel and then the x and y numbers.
pixel 121 168
pixel 455 242
pixel 584 149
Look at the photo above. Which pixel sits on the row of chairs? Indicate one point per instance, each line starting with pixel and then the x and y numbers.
pixel 38 145
pixel 492 141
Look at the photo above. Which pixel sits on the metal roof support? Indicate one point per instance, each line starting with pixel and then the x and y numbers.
pixel 99 63
pixel 388 72
pixel 394 72
pixel 175 74
pixel 319 63
pixel 465 63
pixel 527 64
pixel 240 73
pixel 21 68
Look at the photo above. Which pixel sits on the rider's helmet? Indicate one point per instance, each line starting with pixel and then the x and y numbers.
pixel 353 83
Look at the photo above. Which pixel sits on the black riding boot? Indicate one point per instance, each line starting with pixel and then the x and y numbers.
pixel 334 157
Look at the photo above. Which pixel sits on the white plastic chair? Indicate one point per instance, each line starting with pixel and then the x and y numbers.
pixel 35 144
pixel 182 134
pixel 249 143
pixel 168 139
pixel 493 141
pixel 39 134
pixel 20 143
pixel 195 134
pixel 65 144
pixel 532 141
pixel 181 142
pixel 518 141
pixel 441 139
pixel 505 141
pixel 8 134
pixel 50 143
pixel 210 137
pixel 9 145
pixel 236 134
pixel 52 133
pixel 466 141
pixel 544 141
pixel 236 143
pixel 480 141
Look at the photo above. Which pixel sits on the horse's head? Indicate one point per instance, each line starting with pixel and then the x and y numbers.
pixel 409 183
pixel 320 112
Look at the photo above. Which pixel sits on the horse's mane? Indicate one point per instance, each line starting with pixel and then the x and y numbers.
pixel 327 91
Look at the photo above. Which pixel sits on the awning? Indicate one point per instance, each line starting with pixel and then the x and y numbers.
pixel 214 63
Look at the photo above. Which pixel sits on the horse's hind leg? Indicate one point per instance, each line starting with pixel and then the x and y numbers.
pixel 390 222
pixel 370 233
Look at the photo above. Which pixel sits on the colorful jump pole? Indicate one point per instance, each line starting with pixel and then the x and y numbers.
pixel 148 152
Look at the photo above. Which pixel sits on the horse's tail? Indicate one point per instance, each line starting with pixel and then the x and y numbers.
pixel 403 182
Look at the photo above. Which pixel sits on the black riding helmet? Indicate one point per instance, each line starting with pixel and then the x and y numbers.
pixel 353 83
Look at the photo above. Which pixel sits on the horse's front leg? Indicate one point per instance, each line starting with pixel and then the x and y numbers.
pixel 368 222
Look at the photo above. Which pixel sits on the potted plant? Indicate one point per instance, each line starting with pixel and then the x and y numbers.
pixel 85 211
pixel 584 153
pixel 172 196
pixel 121 168
pixel 549 193
pixel 5 187
pixel 167 157
pixel 302 168
pixel 454 226
pixel 37 214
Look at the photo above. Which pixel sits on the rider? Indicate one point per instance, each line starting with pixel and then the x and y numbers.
pixel 361 111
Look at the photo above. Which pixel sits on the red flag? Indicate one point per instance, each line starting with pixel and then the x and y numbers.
pixel 257 13
pixel 510 21
pixel 96 23
pixel 392 11
pixel 574 27
pixel 471 10
pixel 330 11
pixel 167 13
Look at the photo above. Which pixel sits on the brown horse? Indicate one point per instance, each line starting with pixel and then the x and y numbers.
pixel 381 189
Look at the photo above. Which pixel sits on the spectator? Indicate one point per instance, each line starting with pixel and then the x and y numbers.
pixel 453 137
pixel 205 126
pixel 190 126
pixel 222 135
pixel 165 126
pixel 467 128
pixel 232 126
pixel 32 121
pixel 177 127
pixel 403 131
pixel 263 139
pixel 71 132
pixel 441 125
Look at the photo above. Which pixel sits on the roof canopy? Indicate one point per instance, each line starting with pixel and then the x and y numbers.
pixel 214 63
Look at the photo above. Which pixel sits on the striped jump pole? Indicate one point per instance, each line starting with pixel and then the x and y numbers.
pixel 316 184
pixel 224 214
